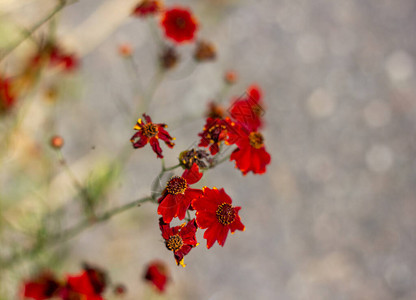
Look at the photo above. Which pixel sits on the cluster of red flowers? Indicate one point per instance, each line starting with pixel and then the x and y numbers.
pixel 213 207
pixel 179 26
pixel 90 284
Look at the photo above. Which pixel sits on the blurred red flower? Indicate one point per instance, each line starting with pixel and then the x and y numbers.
pixel 149 132
pixel 179 24
pixel 215 212
pixel 179 239
pixel 157 274
pixel 44 286
pixel 147 7
pixel 88 285
pixel 53 55
pixel 7 97
pixel 177 196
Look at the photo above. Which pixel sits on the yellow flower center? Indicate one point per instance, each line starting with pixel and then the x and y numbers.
pixel 256 140
pixel 176 185
pixel 225 214
pixel 174 243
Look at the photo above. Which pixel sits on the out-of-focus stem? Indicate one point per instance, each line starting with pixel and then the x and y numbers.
pixel 70 232
pixel 28 33
pixel 87 201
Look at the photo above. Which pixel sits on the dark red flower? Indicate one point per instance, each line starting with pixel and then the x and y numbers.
pixel 248 110
pixel 7 97
pixel 157 274
pixel 179 239
pixel 179 24
pixel 149 132
pixel 88 285
pixel 251 154
pixel 44 286
pixel 177 196
pixel 215 212
pixel 147 7
pixel 215 131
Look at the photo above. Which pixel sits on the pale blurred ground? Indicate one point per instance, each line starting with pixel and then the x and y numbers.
pixel 335 215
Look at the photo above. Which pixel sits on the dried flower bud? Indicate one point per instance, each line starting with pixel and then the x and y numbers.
pixel 215 111
pixel 148 8
pixel 57 142
pixel 125 50
pixel 169 58
pixel 230 77
pixel 120 289
pixel 205 51
pixel 188 157
pixel 51 94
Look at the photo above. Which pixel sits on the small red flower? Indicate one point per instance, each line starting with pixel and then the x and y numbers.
pixel 251 154
pixel 215 131
pixel 177 196
pixel 179 239
pixel 53 55
pixel 179 24
pixel 157 274
pixel 147 7
pixel 249 110
pixel 88 285
pixel 7 97
pixel 215 212
pixel 149 132
pixel 44 286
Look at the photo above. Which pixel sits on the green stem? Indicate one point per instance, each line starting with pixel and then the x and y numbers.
pixel 28 33
pixel 70 232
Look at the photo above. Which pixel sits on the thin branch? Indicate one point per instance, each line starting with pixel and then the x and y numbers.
pixel 70 232
pixel 28 33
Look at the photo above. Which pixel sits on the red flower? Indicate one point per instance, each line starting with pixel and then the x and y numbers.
pixel 215 131
pixel 179 239
pixel 88 285
pixel 214 212
pixel 157 273
pixel 251 154
pixel 179 24
pixel 147 7
pixel 52 54
pixel 43 287
pixel 7 97
pixel 177 196
pixel 248 111
pixel 149 132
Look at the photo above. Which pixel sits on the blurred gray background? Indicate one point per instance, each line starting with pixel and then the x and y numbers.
pixel 334 216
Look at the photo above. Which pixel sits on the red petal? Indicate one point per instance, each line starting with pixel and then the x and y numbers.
pixel 156 147
pixel 192 175
pixel 147 118
pixel 168 208
pixel 141 142
pixel 222 235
